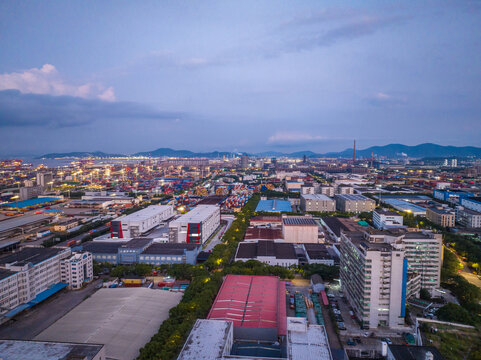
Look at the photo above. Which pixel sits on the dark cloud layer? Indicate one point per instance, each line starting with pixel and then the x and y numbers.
pixel 27 110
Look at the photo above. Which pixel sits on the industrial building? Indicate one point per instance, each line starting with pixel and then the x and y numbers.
pixel 50 350
pixel 142 251
pixel 140 222
pixel 386 219
pixel 318 254
pixel 354 203
pixel 23 224
pixel 30 192
pixel 274 206
pixel 317 202
pixel 406 206
pixel 468 218
pixel 266 221
pixel 472 203
pixel 300 229
pixel 453 195
pixel 255 304
pixel 327 190
pixel 269 252
pixel 260 233
pixel 28 277
pixel 77 270
pixel 196 226
pixel 248 320
pixel 440 217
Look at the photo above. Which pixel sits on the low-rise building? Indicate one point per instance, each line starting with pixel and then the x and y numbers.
pixel 354 203
pixel 318 203
pixel 468 218
pixel 268 252
pixel 168 253
pixel 386 219
pixel 440 217
pixel 318 254
pixel 65 225
pixel 50 350
pixel 300 229
pixel 77 270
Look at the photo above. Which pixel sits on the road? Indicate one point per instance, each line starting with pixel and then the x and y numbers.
pixel 32 322
pixel 466 272
pixel 217 237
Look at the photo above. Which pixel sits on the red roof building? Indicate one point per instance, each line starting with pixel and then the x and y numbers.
pixel 252 302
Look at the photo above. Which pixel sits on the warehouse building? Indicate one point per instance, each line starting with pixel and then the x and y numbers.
pixel 317 202
pixel 300 229
pixel 266 221
pixel 140 222
pixel 318 254
pixel 142 250
pixel 268 252
pixel 452 195
pixel 406 206
pixel 248 320
pixel 354 203
pixel 274 206
pixel 196 226
pixel 472 203
pixel 256 234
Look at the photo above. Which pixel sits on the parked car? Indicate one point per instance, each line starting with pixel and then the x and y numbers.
pixel 350 342
pixel 341 326
pixel 387 341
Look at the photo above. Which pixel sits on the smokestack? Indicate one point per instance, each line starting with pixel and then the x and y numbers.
pixel 354 154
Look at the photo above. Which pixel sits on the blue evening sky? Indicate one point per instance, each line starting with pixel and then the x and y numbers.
pixel 129 76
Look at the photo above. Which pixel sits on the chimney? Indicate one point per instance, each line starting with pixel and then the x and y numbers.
pixel 354 154
pixel 429 356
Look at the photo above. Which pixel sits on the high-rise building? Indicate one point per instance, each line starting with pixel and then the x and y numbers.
pixel 244 161
pixel 373 278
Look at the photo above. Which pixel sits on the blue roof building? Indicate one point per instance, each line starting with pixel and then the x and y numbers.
pixel 274 206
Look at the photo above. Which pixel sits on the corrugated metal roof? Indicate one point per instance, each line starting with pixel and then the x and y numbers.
pixel 299 220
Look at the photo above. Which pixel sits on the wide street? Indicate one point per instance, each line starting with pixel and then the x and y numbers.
pixel 466 272
pixel 216 239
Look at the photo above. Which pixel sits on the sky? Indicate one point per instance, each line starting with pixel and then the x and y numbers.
pixel 125 76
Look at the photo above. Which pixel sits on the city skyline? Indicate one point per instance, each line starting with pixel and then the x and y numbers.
pixel 237 76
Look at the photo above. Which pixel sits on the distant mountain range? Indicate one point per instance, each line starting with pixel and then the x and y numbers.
pixel 390 151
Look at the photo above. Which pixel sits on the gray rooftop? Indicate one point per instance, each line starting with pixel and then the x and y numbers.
pixel 30 255
pixel 46 350
pixel 299 221
pixel 137 243
pixel 169 248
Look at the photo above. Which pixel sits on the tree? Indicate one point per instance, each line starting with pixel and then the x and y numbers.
pixel 424 294
pixel 455 313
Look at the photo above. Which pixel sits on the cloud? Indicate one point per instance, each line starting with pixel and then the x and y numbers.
pixel 382 99
pixel 39 110
pixel 281 137
pixel 47 80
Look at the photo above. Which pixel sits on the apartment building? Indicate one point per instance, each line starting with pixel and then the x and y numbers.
pixel 77 270
pixel 28 273
pixel 354 203
pixel 440 217
pixel 327 190
pixel 373 278
pixel 317 202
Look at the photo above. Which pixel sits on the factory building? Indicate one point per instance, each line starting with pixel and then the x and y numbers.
pixel 268 252
pixel 30 192
pixel 50 350
pixel 440 217
pixel 386 219
pixel 77 270
pixel 406 206
pixel 196 226
pixel 452 195
pixel 140 222
pixel 142 251
pixel 274 206
pixel 472 203
pixel 248 320
pixel 354 203
pixel 300 229
pixel 327 190
pixel 317 202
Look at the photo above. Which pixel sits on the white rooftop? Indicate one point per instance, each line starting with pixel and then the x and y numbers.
pixel 305 342
pixel 197 214
pixel 206 340
pixel 317 197
pixel 146 213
